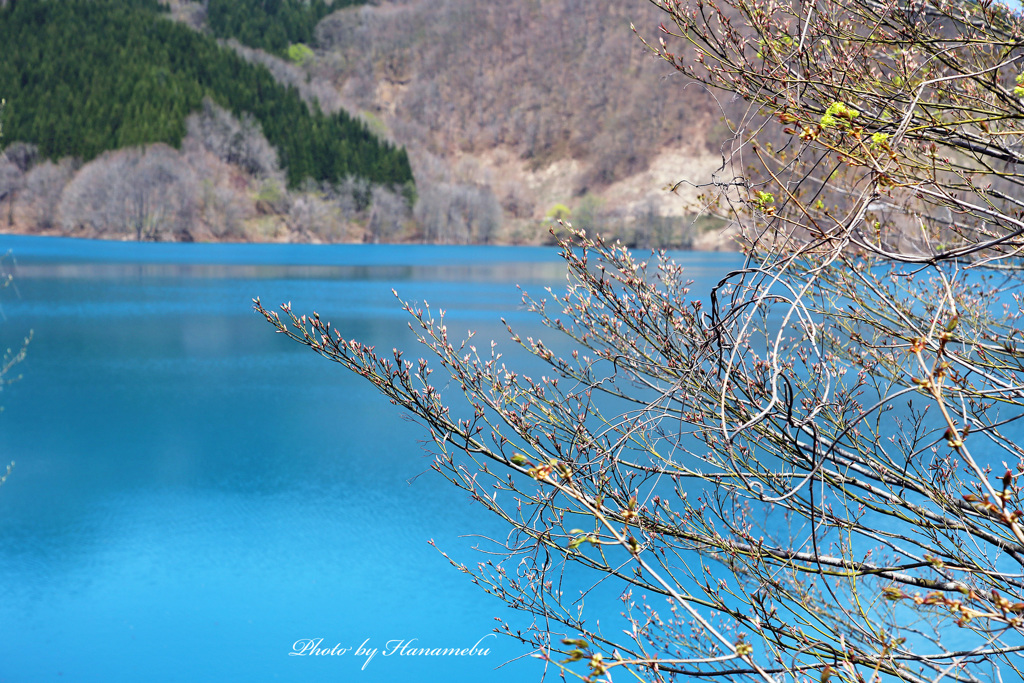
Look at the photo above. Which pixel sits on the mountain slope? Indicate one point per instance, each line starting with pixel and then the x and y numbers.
pixel 82 77
pixel 538 102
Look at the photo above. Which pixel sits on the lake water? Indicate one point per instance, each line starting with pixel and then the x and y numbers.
pixel 194 494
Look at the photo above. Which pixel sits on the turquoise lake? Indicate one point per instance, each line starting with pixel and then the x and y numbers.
pixel 195 496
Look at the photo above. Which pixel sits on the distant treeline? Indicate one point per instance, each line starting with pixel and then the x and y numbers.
pixel 271 25
pixel 84 76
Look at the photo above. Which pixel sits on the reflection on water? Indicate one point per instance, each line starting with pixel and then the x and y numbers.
pixel 478 272
pixel 194 494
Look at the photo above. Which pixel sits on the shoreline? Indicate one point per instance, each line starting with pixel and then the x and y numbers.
pixel 720 244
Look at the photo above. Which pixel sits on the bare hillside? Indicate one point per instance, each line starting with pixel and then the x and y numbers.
pixel 532 103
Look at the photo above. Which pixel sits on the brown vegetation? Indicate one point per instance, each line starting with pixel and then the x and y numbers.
pixel 535 103
pixel 507 110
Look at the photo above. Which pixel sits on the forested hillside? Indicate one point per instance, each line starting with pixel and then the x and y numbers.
pixel 85 76
pixel 511 115
pixel 272 25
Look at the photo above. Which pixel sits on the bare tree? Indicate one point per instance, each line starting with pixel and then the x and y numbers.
pixel 17 159
pixel 388 217
pixel 22 154
pixel 11 179
pixel 238 142
pixel 324 218
pixel 43 187
pixel 813 471
pixel 146 193
pixel 457 213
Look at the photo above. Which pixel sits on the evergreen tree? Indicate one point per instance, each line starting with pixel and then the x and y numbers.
pixel 272 25
pixel 82 77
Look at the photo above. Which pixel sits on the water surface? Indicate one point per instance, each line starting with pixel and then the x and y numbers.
pixel 194 494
